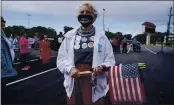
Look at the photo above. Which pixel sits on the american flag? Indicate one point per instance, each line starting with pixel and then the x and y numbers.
pixel 125 84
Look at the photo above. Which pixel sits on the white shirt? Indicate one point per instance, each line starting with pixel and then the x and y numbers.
pixel 60 39
pixel 65 61
pixel 31 41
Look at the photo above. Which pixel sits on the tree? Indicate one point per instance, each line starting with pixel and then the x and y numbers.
pixel 141 38
pixel 119 35
pixel 66 29
pixel 109 34
pixel 14 30
pixel 128 36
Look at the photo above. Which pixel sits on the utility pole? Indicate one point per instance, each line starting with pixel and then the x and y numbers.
pixel 28 20
pixel 173 16
pixel 168 25
pixel 103 19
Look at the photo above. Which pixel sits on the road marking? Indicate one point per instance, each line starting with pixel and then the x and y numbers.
pixel 20 80
pixel 150 50
pixel 129 50
pixel 30 61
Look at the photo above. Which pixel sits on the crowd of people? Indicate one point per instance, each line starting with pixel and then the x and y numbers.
pixel 81 50
pixel 23 46
pixel 120 46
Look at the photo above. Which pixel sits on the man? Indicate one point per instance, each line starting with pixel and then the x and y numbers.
pixel 7 57
pixel 115 44
pixel 61 37
pixel 134 42
pixel 36 42
pixel 119 42
pixel 124 45
pixel 11 39
pixel 31 42
pixel 16 47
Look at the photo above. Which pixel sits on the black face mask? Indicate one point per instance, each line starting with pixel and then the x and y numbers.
pixel 85 20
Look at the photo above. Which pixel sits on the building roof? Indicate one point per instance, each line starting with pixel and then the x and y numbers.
pixel 149 24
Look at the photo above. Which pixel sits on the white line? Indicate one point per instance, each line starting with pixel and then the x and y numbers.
pixel 129 50
pixel 30 61
pixel 30 77
pixel 150 50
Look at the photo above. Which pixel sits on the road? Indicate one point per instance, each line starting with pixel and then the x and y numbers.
pixel 47 86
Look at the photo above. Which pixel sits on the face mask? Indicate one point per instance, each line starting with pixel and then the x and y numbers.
pixel 85 20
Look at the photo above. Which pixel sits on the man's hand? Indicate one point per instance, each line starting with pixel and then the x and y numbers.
pixel 74 73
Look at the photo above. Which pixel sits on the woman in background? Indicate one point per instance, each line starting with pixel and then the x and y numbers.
pixel 23 46
pixel 44 46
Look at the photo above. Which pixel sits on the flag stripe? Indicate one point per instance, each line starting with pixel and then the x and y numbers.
pixel 115 83
pixel 130 88
pixel 142 91
pixel 136 92
pixel 118 83
pixel 133 89
pixel 122 84
pixel 138 87
pixel 125 88
pixel 110 78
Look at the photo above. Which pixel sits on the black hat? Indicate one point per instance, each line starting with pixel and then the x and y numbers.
pixel 2 20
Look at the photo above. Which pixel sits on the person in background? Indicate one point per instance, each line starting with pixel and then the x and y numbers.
pixel 124 45
pixel 60 38
pixel 44 46
pixel 31 42
pixel 36 38
pixel 11 39
pixel 111 41
pixel 115 44
pixel 7 57
pixel 118 48
pixel 16 47
pixel 85 48
pixel 23 46
pixel 37 41
pixel 134 42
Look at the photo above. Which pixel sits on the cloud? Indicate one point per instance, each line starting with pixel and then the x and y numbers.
pixel 128 10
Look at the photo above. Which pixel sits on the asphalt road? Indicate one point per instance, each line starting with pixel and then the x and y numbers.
pixel 47 87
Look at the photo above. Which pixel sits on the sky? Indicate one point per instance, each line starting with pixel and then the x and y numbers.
pixel 119 16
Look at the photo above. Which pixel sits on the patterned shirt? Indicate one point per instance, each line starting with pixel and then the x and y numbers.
pixel 83 47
